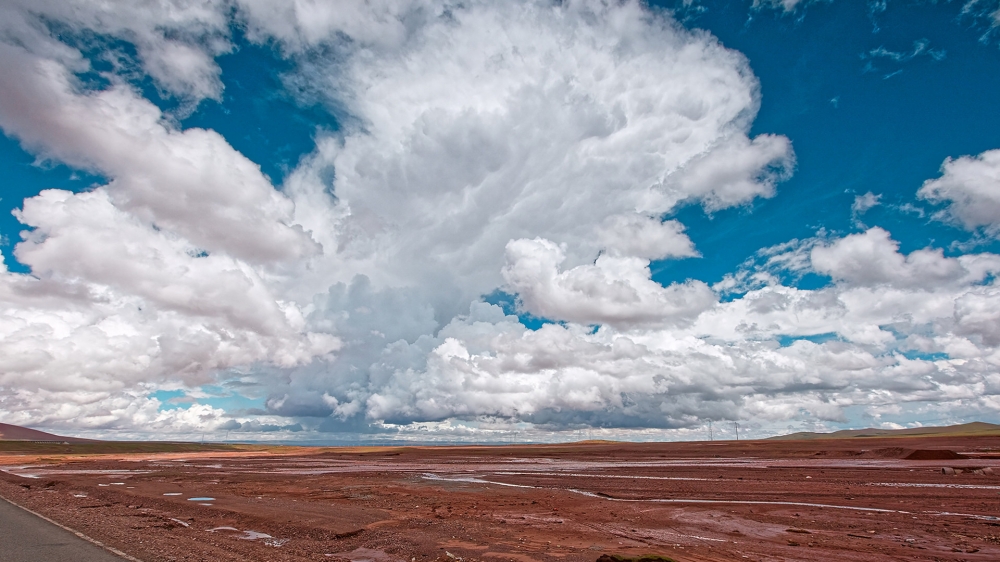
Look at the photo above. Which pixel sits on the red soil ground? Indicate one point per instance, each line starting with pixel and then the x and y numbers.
pixel 860 499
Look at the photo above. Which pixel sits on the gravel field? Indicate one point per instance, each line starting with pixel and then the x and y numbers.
pixel 871 499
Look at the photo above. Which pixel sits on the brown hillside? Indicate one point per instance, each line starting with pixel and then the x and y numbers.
pixel 10 432
pixel 966 429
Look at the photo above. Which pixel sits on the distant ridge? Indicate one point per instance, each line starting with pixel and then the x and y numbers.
pixel 962 430
pixel 10 432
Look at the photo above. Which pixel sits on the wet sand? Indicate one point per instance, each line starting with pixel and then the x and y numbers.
pixel 857 499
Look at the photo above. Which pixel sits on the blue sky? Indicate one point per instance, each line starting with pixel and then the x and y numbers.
pixel 888 131
pixel 295 219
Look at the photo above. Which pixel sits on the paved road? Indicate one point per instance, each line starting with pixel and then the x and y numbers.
pixel 27 538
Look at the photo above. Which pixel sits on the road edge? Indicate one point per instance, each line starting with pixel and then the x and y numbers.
pixel 96 542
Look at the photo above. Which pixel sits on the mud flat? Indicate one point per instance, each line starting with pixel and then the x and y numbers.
pixel 876 499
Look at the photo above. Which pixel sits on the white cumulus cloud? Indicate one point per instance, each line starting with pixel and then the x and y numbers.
pixel 645 237
pixel 970 186
pixel 614 290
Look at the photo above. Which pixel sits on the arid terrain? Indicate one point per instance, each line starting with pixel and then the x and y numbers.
pixel 879 498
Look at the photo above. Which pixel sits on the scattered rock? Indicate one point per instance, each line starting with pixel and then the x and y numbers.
pixel 947 470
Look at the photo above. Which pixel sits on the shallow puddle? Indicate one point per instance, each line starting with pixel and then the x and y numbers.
pixel 254 535
pixel 473 480
pixel 582 475
pixel 929 485
pixel 250 535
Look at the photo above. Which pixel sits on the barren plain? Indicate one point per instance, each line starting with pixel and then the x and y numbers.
pixel 845 499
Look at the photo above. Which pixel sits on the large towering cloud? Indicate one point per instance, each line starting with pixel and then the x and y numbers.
pixel 478 129
pixel 491 122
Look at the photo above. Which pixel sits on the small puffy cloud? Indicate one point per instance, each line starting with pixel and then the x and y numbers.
pixel 970 187
pixel 645 237
pixel 873 258
pixel 614 290
pixel 183 69
pixel 863 203
pixel 737 171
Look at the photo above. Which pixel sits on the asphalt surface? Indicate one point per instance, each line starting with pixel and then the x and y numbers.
pixel 25 537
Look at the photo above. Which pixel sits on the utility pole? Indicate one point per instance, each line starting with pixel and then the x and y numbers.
pixel 737 424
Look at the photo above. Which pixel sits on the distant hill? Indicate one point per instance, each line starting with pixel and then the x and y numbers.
pixel 963 430
pixel 10 432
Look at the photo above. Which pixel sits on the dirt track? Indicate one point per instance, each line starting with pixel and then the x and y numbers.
pixel 760 500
